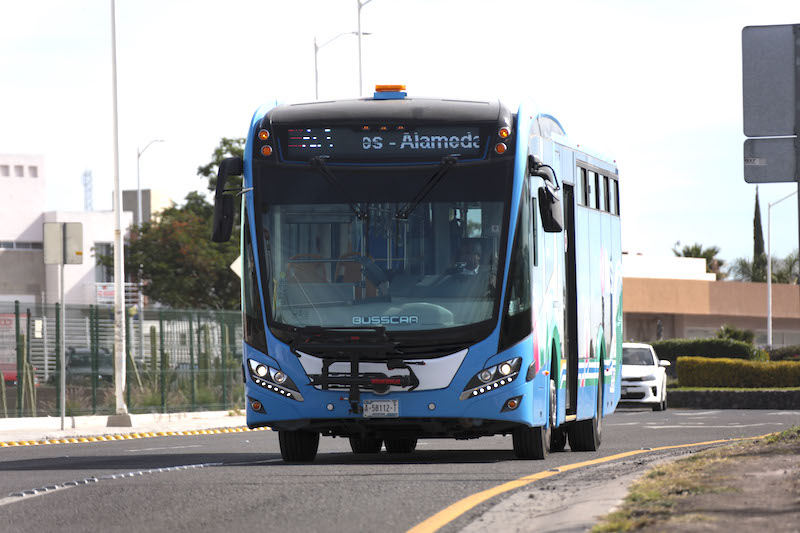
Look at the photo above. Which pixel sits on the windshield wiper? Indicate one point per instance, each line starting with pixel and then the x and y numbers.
pixel 319 163
pixel 447 163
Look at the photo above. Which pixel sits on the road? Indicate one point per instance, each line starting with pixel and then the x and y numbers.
pixel 237 481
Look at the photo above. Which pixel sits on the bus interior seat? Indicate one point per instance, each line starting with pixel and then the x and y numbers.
pixel 305 271
pixel 348 270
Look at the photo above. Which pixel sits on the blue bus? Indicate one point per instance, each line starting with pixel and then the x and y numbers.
pixel 425 268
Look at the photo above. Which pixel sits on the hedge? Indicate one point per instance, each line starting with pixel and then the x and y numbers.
pixel 737 373
pixel 786 353
pixel 674 348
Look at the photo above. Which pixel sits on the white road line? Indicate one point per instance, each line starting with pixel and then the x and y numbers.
pixel 164 448
pixel 50 489
pixel 705 426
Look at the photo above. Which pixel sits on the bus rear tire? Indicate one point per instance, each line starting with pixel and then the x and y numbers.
pixel 298 446
pixel 558 440
pixel 362 445
pixel 406 445
pixel 585 435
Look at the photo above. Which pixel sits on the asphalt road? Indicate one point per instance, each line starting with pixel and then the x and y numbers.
pixel 237 481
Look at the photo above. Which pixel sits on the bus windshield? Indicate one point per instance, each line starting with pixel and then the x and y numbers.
pixel 350 254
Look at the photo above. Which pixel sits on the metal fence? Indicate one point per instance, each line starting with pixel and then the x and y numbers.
pixel 176 360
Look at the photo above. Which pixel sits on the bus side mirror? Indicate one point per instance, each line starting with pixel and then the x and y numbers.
pixel 223 203
pixel 550 209
pixel 549 202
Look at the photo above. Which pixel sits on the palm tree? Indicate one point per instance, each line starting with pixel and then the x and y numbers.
pixel 786 270
pixel 713 264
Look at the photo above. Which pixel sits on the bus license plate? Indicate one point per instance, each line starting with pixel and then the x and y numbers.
pixel 381 408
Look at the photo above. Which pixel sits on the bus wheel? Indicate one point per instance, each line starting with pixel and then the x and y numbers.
pixel 365 444
pixel 585 435
pixel 401 445
pixel 298 446
pixel 558 437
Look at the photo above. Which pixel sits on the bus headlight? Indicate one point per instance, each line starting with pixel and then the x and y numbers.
pixel 273 380
pixel 492 378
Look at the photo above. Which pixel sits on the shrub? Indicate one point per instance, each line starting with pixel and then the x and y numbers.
pixel 787 353
pixel 737 373
pixel 674 348
pixel 730 332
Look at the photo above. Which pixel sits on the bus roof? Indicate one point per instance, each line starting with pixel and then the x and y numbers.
pixel 404 110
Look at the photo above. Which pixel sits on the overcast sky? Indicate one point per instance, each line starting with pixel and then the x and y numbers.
pixel 655 84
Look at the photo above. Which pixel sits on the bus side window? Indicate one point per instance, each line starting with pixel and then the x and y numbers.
pixel 591 193
pixel 584 180
pixel 606 203
pixel 612 197
pixel 535 225
pixel 616 196
pixel 596 190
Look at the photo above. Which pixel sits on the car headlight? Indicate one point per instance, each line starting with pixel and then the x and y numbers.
pixel 492 378
pixel 273 380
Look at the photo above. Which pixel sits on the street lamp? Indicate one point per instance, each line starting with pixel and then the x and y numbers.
pixel 361 3
pixel 316 50
pixel 769 268
pixel 139 222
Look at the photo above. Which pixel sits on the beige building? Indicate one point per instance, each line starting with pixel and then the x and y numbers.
pixel 696 305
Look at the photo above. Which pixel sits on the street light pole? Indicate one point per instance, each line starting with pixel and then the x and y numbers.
pixel 119 265
pixel 316 51
pixel 139 222
pixel 361 3
pixel 769 267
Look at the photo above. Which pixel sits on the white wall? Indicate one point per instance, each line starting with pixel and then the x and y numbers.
pixel 79 284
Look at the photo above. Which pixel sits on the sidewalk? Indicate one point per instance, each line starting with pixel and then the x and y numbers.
pixel 47 430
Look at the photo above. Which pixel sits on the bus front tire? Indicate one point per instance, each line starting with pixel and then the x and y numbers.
pixel 361 445
pixel 298 446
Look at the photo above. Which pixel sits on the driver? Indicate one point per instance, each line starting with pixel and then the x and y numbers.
pixel 469 258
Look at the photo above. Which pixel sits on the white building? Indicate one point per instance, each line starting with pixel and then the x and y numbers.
pixel 23 274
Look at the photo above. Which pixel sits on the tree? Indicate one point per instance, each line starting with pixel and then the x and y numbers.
pixel 227 148
pixel 180 266
pixel 786 270
pixel 709 254
pixel 759 257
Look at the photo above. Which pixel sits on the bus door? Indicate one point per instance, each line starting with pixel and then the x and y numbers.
pixel 570 300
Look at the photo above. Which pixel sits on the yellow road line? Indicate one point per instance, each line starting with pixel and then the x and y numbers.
pixel 125 436
pixel 447 515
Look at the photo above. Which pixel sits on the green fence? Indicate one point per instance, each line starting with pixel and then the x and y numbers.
pixel 175 360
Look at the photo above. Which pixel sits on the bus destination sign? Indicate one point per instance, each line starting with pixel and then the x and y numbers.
pixel 347 144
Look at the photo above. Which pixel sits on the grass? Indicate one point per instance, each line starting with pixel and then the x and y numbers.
pixel 655 497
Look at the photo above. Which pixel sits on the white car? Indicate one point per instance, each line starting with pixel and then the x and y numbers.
pixel 644 377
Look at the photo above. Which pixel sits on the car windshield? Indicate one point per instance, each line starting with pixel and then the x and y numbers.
pixel 361 256
pixel 637 356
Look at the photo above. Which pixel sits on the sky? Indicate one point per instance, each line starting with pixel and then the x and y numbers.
pixel 656 85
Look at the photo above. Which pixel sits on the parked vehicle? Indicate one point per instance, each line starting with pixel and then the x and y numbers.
pixel 644 376
pixel 9 371
pixel 79 365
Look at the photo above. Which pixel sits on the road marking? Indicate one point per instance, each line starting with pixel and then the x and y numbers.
pixel 31 493
pixel 706 426
pixel 447 515
pixel 165 448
